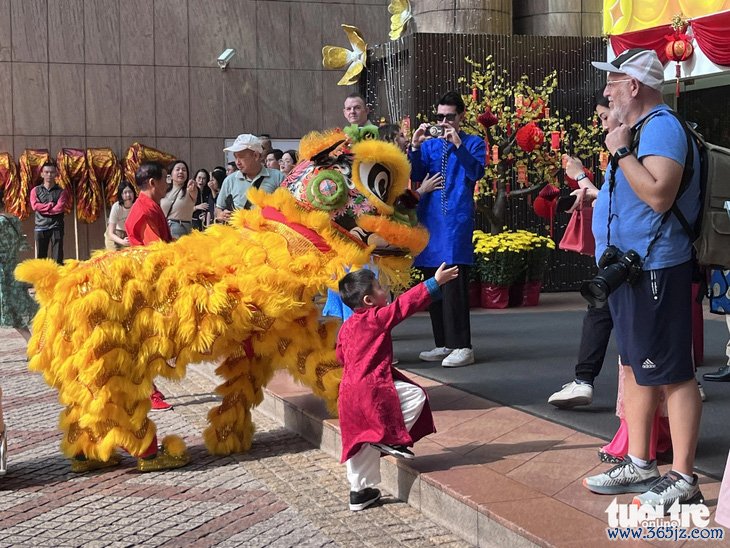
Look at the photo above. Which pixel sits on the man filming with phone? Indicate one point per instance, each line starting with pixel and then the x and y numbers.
pixel 448 162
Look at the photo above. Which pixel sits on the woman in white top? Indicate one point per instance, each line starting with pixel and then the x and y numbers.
pixel 179 203
pixel 115 236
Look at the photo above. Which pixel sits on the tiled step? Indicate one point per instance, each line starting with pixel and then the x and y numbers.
pixel 494 475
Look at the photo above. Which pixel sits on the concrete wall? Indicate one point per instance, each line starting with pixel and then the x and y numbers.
pixel 106 73
pixel 463 16
pixel 558 17
pixel 93 73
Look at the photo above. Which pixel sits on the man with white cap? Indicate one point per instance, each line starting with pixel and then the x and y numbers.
pixel 638 209
pixel 247 150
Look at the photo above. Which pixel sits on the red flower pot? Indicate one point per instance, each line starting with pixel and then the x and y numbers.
pixel 494 296
pixel 516 292
pixel 531 293
pixel 475 289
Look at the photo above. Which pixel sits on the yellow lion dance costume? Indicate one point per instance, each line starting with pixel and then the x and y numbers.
pixel 241 295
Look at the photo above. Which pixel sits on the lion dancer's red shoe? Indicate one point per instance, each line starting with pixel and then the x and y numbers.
pixel 171 454
pixel 158 400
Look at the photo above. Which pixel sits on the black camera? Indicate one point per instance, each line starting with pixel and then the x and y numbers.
pixel 616 268
pixel 436 131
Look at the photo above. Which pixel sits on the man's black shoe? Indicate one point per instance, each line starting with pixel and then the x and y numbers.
pixel 399 451
pixel 721 375
pixel 359 500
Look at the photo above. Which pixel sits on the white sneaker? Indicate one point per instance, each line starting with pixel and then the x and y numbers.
pixel 625 477
pixel 671 488
pixel 459 357
pixel 572 395
pixel 435 355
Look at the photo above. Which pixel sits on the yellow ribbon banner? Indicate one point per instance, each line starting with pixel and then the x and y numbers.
pixel 104 169
pixel 9 183
pixel 31 163
pixel 138 153
pixel 72 172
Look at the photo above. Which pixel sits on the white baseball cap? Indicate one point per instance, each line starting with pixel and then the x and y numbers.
pixel 246 141
pixel 639 63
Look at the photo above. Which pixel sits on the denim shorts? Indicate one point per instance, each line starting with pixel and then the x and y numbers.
pixel 653 324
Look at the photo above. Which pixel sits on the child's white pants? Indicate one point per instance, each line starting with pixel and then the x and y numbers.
pixel 363 468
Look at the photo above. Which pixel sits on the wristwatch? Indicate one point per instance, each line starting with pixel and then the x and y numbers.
pixel 581 176
pixel 622 152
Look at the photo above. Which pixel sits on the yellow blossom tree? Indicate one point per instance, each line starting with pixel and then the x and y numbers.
pixel 525 137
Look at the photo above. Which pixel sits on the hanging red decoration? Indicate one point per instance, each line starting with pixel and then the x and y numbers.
pixel 555 140
pixel 487 118
pixel 529 137
pixel 679 47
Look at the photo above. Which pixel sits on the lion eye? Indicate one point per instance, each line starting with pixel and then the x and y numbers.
pixel 377 179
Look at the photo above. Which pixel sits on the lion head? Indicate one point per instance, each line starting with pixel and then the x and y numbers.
pixel 362 183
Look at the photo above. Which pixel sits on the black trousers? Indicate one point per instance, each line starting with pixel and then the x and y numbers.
pixel 54 238
pixel 597 326
pixel 450 316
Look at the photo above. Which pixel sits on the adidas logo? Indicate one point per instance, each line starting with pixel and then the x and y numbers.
pixel 648 364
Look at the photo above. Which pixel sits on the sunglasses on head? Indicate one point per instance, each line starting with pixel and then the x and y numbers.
pixel 448 117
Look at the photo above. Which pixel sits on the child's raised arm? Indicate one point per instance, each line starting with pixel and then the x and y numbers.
pixel 444 274
pixel 415 299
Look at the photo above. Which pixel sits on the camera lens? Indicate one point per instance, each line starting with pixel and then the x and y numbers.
pixel 595 291
pixel 435 131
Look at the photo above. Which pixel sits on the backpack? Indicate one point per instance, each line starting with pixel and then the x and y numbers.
pixel 711 232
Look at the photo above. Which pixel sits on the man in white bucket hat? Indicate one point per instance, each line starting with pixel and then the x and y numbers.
pixel 247 149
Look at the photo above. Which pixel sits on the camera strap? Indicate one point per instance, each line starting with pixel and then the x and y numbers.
pixel 444 165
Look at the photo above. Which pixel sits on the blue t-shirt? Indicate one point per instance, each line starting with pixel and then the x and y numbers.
pixel 634 223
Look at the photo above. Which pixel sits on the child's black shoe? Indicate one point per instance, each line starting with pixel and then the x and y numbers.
pixel 359 500
pixel 400 451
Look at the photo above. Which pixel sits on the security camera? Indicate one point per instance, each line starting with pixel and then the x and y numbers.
pixel 225 58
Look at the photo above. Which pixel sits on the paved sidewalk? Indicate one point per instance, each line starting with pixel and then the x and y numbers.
pixel 284 492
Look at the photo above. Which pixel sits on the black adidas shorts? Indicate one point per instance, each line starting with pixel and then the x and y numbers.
pixel 653 324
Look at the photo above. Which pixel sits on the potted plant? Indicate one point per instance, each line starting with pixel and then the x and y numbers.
pixel 538 253
pixel 511 266
pixel 499 264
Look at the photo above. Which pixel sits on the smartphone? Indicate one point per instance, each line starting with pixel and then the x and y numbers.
pixel 566 202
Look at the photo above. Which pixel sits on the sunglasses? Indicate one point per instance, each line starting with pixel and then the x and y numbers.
pixel 448 117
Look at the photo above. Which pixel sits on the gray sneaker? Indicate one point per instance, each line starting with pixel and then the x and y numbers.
pixel 669 489
pixel 435 355
pixel 625 477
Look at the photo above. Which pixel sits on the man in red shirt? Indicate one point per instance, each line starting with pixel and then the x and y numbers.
pixel 146 224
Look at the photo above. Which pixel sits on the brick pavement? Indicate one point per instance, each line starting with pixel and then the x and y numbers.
pixel 284 492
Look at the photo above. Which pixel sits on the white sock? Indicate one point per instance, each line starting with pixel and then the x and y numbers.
pixel 639 462
pixel 688 479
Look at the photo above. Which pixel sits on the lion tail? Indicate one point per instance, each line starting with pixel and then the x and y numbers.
pixel 42 274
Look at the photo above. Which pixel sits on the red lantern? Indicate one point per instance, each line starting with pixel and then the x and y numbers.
pixel 522 174
pixel 555 140
pixel 530 137
pixel 679 47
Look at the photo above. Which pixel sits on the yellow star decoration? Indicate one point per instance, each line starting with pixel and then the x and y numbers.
pixel 400 13
pixel 335 57
pixel 616 15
